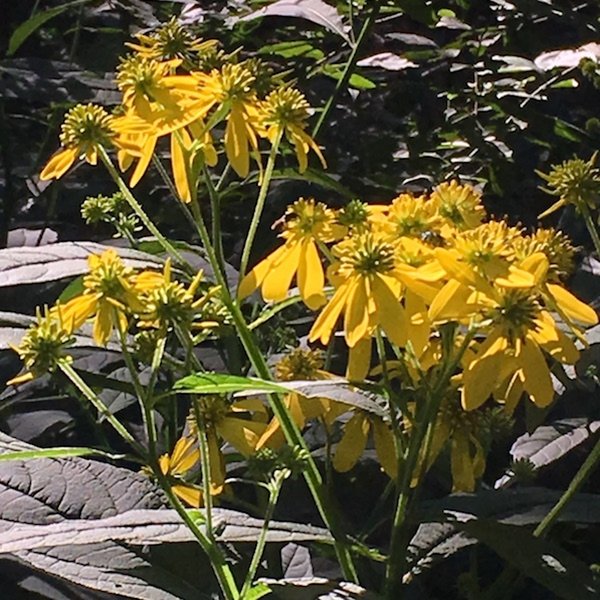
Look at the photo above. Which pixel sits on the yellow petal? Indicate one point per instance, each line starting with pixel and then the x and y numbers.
pixel 463 478
pixel 184 456
pixel 59 164
pixel 359 360
pixel 536 375
pixel 352 444
pixel 179 160
pixel 389 314
pixel 255 278
pixel 327 319
pixel 146 155
pixel 356 316
pixel 236 142
pixel 385 447
pixel 572 307
pixel 559 204
pixel 190 495
pixel 311 279
pixel 103 323
pixel 278 280
pixel 451 302
pixel 242 434
pixel 485 373
pixel 216 463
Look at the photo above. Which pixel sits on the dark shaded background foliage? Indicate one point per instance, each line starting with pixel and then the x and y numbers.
pixel 474 106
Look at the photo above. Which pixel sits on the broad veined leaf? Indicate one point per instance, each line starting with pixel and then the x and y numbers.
pixel 340 390
pixel 386 60
pixel 296 562
pixel 149 527
pixel 550 442
pixel 317 11
pixel 570 57
pixel 560 572
pixel 58 261
pixel 316 588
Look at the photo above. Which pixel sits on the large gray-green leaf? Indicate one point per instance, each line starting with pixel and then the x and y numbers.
pixel 142 527
pixel 58 261
pixel 317 588
pixel 438 537
pixel 339 390
pixel 316 11
pixel 564 575
pixel 56 492
pixel 550 442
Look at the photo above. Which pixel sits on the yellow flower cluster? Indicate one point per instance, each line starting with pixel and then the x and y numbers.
pixel 404 270
pixel 115 296
pixel 177 86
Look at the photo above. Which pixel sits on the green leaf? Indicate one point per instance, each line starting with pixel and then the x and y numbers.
pixel 567 131
pixel 75 288
pixel 317 177
pixel 292 49
pixel 223 383
pixel 361 83
pixel 24 30
pixel 258 590
pixel 56 453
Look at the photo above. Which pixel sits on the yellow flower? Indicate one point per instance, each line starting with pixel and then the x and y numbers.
pixel 43 345
pixel 185 457
pixel 231 88
pixel 354 441
pixel 304 365
pixel 409 216
pixel 309 223
pixel 108 296
pixel 232 422
pixel 285 111
pixel 369 284
pixel 171 41
pixel 86 127
pixel 459 205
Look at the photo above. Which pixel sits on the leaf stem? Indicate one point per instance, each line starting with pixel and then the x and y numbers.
pixel 260 203
pixel 349 68
pixel 137 207
pixel 97 403
pixel 591 227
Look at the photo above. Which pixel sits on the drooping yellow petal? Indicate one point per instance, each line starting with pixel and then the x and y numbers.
pixel 327 319
pixel 190 495
pixel 179 161
pixel 236 142
pixel 255 278
pixel 356 317
pixel 559 204
pixel 451 302
pixel 184 456
pixel 486 372
pixel 352 444
pixel 536 375
pixel 311 279
pixel 147 151
pixel 278 280
pixel 572 307
pixel 385 447
pixel 553 341
pixel 217 463
pixel 59 164
pixel 359 360
pixel 103 323
pixel 242 434
pixel 389 314
pixel 463 479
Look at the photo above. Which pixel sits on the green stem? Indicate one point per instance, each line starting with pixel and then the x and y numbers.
pixel 396 566
pixel 89 394
pixel 260 204
pixel 586 469
pixel 274 489
pixel 349 68
pixel 591 227
pixel 206 470
pixel 137 207
pixel 215 210
pixel 293 436
pixel 217 560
